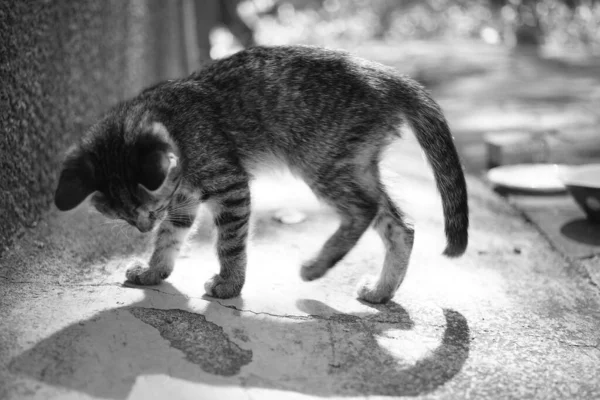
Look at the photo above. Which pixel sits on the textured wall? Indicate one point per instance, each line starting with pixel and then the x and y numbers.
pixel 62 63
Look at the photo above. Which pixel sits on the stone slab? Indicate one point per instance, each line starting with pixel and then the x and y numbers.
pixel 563 222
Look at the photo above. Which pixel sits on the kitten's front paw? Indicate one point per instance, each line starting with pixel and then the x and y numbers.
pixel 368 291
pixel 313 270
pixel 222 288
pixel 140 274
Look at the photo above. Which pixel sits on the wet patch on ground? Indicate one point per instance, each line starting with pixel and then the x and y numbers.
pixel 203 342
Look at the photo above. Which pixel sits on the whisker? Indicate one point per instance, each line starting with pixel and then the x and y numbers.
pixel 188 201
pixel 177 219
pixel 120 229
pixel 126 229
pixel 182 212
pixel 113 227
pixel 180 209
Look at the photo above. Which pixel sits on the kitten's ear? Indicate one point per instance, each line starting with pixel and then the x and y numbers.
pixel 155 167
pixel 76 180
pixel 156 157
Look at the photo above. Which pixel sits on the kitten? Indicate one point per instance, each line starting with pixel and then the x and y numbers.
pixel 325 114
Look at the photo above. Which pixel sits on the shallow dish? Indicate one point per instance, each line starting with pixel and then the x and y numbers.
pixel 539 178
pixel 583 183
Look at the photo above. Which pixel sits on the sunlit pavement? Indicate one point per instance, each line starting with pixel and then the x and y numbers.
pixel 510 319
pixel 492 89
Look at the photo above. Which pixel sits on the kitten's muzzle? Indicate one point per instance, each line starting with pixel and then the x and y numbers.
pixel 144 226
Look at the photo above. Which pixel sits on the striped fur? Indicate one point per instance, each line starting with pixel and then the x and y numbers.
pixel 230 205
pixel 169 239
pixel 324 114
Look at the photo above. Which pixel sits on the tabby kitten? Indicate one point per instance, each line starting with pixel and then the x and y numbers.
pixel 325 114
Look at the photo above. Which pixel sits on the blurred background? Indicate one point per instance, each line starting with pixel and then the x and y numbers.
pixel 519 80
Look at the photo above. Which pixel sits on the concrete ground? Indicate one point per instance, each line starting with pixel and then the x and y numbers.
pixel 517 316
pixel 510 319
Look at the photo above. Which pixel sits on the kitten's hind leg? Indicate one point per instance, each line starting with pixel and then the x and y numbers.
pixel 170 237
pixel 357 205
pixel 398 239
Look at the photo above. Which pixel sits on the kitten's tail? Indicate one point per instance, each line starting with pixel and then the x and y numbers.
pixel 433 134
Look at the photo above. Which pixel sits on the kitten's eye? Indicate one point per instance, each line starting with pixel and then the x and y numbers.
pixel 109 215
pixel 105 211
pixel 156 212
pixel 101 204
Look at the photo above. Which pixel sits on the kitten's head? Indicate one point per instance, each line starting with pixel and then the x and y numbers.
pixel 130 169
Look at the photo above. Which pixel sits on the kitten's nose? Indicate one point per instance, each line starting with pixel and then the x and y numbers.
pixel 143 226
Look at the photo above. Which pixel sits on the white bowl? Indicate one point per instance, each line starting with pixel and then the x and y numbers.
pixel 583 183
pixel 587 175
pixel 535 178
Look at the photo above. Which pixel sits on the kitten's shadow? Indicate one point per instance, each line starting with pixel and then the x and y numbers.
pixel 103 355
